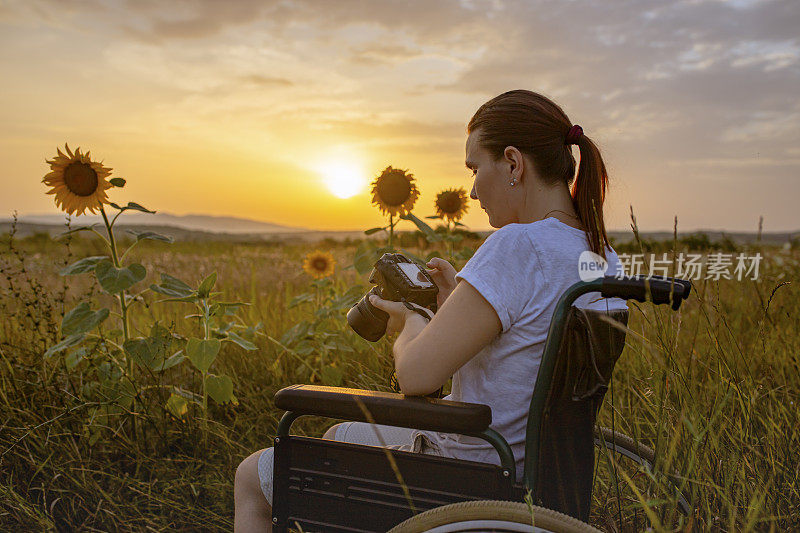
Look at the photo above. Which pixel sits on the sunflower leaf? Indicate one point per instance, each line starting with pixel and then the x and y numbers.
pixel 433 217
pixel 222 309
pixel 173 287
pixel 172 360
pixel 177 405
pixel 117 182
pixel 114 280
pixel 76 230
pixel 138 207
pixel 141 351
pixel 131 205
pixel 73 358
pixel 69 342
pixel 152 235
pixel 87 264
pixel 431 235
pixel 82 319
pixel 206 285
pixel 151 352
pixel 243 343
pixel 370 231
pixel 202 352
pixel 220 388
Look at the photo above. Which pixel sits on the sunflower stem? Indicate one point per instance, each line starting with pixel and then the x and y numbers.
pixel 101 237
pixel 206 336
pixel 450 242
pixel 111 242
pixel 122 306
pixel 114 220
pixel 125 253
pixel 391 231
pixel 121 295
pixel 205 411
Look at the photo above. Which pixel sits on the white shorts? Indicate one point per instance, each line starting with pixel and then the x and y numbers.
pixel 404 439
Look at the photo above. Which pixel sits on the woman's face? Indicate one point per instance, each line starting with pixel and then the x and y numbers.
pixel 491 186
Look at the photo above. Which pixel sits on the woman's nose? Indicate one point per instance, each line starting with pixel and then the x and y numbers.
pixel 473 194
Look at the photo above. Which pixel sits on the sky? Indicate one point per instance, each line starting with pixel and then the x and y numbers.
pixel 254 109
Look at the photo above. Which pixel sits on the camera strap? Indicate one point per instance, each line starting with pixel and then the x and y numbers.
pixel 420 312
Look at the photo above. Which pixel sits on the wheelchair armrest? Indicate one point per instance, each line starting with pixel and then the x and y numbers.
pixel 386 408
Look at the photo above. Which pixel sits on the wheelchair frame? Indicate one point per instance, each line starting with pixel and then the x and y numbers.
pixel 324 485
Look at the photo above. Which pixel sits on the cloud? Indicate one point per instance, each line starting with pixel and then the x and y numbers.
pixel 705 84
pixel 379 53
pixel 156 21
pixel 265 81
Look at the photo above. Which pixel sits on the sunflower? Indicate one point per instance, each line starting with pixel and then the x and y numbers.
pixel 394 191
pixel 319 264
pixel 451 204
pixel 78 182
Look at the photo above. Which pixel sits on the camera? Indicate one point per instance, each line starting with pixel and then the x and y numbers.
pixel 398 279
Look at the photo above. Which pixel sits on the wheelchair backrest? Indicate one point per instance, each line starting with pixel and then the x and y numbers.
pixel 583 346
pixel 591 343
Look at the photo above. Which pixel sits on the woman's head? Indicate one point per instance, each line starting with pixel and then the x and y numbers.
pixel 522 135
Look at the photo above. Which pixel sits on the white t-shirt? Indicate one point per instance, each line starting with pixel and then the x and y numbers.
pixel 521 270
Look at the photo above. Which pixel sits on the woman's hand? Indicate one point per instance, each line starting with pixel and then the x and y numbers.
pixel 398 313
pixel 444 275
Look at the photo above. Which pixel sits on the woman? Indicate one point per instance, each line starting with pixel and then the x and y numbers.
pixel 494 314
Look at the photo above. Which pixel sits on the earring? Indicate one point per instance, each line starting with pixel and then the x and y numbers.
pixel 513 181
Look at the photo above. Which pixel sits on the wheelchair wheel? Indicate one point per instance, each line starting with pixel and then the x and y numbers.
pixel 622 462
pixel 490 515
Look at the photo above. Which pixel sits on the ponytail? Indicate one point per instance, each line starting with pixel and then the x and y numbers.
pixel 589 193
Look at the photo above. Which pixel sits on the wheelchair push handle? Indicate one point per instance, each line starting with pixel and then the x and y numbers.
pixel 660 289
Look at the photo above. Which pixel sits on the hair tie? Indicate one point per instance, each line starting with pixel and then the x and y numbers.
pixel 573 135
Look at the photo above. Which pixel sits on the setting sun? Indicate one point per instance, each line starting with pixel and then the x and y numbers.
pixel 343 179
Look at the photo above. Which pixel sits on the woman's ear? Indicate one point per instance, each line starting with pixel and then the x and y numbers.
pixel 515 161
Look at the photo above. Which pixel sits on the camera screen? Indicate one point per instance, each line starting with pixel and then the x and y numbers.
pixel 415 274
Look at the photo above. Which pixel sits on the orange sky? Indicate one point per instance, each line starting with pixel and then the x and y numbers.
pixel 242 108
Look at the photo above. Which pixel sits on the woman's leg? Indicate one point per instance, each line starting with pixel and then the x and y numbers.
pixel 251 510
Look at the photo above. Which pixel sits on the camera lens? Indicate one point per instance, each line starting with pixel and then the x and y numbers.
pixel 366 319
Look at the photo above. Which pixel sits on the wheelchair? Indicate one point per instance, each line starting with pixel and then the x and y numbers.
pixel 324 485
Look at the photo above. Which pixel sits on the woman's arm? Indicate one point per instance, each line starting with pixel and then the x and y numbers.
pixel 426 355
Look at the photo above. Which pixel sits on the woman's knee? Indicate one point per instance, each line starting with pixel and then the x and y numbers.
pixel 246 478
pixel 331 433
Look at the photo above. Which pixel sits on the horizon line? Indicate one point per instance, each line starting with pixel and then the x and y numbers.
pixel 300 229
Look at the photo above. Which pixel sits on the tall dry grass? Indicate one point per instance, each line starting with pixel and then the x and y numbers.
pixel 714 389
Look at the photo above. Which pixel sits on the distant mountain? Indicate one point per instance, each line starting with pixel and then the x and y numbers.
pixel 205 223
pixel 207 227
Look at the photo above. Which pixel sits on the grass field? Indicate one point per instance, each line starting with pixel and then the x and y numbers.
pixel 713 388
